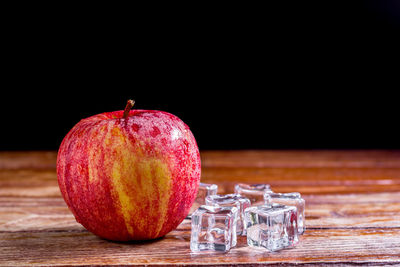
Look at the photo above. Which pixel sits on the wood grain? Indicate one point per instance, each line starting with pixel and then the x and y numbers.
pixel 352 212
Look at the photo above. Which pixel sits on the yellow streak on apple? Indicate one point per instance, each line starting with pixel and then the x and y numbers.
pixel 156 173
pixel 125 165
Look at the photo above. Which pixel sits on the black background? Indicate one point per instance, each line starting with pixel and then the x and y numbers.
pixel 304 76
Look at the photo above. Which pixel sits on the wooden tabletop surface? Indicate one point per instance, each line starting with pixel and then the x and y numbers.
pixel 352 211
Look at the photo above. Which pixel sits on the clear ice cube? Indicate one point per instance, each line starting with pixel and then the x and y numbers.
pixel 231 200
pixel 271 226
pixel 290 199
pixel 213 228
pixel 254 192
pixel 204 191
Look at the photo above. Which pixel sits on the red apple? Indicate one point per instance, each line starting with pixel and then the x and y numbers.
pixel 129 175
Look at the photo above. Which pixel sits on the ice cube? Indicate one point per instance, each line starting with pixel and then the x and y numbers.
pixel 213 228
pixel 254 192
pixel 290 199
pixel 204 191
pixel 231 200
pixel 271 226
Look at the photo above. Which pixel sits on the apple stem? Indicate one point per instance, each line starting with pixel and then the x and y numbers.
pixel 128 107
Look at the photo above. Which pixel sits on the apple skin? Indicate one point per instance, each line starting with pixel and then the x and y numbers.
pixel 132 178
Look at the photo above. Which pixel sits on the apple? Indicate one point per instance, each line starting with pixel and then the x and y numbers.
pixel 129 175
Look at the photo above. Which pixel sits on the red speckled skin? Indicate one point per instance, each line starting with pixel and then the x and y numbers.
pixel 131 178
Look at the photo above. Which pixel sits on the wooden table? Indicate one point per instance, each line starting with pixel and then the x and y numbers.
pixel 352 211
